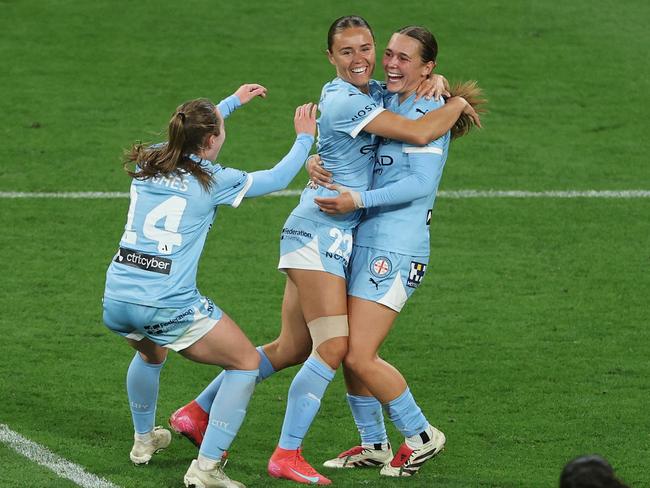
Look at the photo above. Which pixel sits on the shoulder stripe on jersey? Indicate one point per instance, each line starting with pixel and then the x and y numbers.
pixel 242 193
pixel 366 121
pixel 422 149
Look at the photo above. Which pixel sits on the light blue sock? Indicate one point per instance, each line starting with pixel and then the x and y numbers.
pixel 228 411
pixel 142 382
pixel 305 393
pixel 369 418
pixel 406 415
pixel 206 397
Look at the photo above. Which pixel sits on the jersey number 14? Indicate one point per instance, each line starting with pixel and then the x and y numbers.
pixel 171 210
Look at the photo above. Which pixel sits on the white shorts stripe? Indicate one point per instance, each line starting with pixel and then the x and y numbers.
pixel 421 149
pixel 43 456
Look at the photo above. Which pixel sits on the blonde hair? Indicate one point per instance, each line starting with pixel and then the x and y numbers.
pixel 471 92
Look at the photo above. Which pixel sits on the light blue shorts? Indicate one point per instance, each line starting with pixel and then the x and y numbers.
pixel 385 277
pixel 306 244
pixel 174 328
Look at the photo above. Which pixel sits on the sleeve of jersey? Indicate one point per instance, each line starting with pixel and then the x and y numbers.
pixel 228 105
pixel 425 169
pixel 279 177
pixel 353 112
pixel 230 186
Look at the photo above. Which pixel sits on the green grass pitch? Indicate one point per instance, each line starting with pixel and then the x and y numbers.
pixel 528 342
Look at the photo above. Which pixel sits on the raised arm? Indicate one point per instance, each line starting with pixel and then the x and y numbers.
pixel 278 177
pixel 427 128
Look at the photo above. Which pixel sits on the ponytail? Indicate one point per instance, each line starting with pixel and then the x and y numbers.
pixel 471 92
pixel 190 126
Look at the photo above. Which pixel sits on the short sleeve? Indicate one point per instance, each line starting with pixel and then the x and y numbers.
pixel 230 186
pixel 353 111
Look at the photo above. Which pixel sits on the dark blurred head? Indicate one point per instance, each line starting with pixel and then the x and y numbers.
pixel 589 472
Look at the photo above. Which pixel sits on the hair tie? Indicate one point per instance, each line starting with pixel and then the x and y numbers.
pixel 182 116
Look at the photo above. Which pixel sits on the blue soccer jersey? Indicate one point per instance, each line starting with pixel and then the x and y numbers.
pixel 346 150
pixel 404 227
pixel 166 228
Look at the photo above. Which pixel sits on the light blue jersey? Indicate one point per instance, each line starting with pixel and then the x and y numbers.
pixel 401 171
pixel 345 149
pixel 166 228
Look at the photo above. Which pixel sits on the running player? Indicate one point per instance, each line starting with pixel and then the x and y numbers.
pixel 151 297
pixel 315 247
pixel 389 260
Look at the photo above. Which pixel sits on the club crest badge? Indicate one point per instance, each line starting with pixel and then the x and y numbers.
pixel 380 266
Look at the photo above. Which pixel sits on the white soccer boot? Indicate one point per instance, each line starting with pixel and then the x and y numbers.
pixel 362 457
pixel 143 450
pixel 215 478
pixel 408 461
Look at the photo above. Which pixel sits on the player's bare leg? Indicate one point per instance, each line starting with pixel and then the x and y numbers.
pixel 324 306
pixel 370 323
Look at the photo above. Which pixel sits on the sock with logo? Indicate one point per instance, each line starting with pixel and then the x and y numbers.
pixel 142 382
pixel 228 411
pixel 369 418
pixel 406 415
pixel 306 391
pixel 206 397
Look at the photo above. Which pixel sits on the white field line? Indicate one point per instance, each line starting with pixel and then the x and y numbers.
pixel 458 194
pixel 43 456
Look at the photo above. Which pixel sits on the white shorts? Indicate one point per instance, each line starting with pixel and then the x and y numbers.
pixel 307 244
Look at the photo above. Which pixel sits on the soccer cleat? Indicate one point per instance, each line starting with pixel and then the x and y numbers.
pixel 190 421
pixel 214 478
pixel 362 457
pixel 289 464
pixel 408 461
pixel 143 450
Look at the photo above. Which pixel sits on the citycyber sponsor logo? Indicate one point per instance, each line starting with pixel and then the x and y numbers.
pixel 295 234
pixel 380 266
pixel 139 260
pixel 165 327
pixel 416 274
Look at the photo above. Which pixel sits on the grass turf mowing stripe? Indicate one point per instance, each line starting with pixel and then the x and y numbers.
pixel 441 194
pixel 43 456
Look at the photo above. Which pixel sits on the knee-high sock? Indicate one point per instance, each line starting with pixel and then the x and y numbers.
pixel 206 397
pixel 369 418
pixel 142 382
pixel 305 393
pixel 406 415
pixel 228 411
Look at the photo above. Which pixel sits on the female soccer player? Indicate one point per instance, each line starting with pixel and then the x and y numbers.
pixel 151 296
pixel 389 260
pixel 315 247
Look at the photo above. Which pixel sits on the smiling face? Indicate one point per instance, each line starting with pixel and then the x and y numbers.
pixel 403 65
pixel 353 54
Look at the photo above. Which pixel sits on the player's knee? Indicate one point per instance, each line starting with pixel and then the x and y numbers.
pixel 247 361
pixel 157 356
pixel 333 351
pixel 284 355
pixel 359 364
pixel 330 339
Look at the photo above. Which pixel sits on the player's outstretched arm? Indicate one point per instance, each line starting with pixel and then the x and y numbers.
pixel 427 128
pixel 278 177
